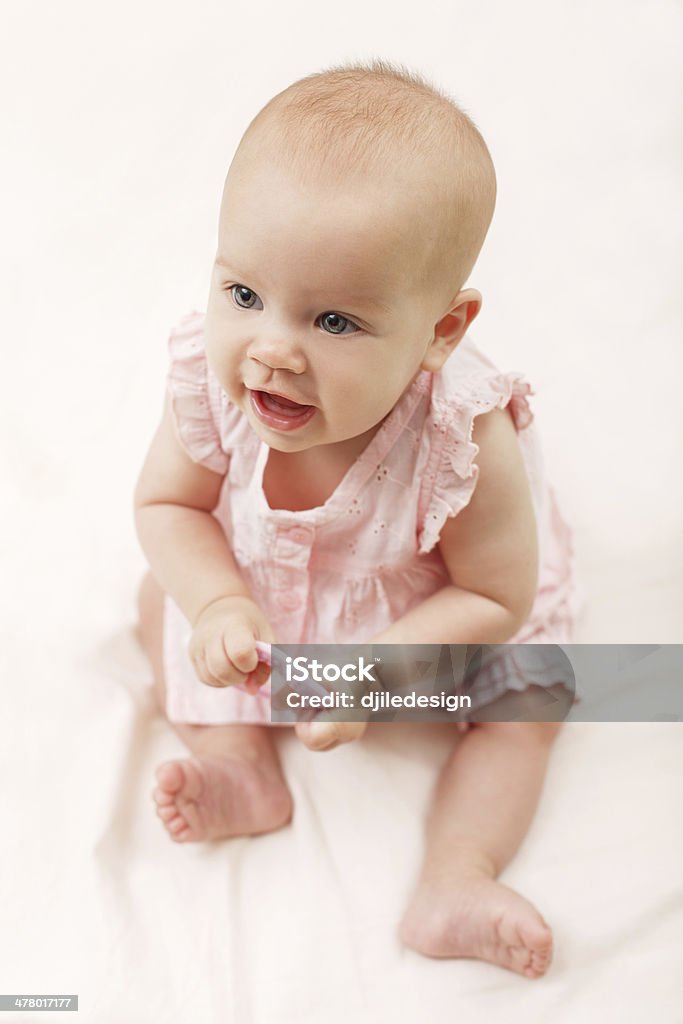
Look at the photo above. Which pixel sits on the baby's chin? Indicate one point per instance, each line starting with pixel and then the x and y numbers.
pixel 287 444
pixel 339 444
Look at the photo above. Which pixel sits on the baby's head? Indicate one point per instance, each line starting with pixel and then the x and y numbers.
pixel 353 212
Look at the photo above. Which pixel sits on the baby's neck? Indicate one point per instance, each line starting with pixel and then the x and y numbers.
pixel 306 479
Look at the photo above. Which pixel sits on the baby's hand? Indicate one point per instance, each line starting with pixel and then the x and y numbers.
pixel 322 735
pixel 222 647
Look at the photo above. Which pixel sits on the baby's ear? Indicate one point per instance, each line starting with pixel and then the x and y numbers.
pixel 451 328
pixel 438 352
pixel 436 355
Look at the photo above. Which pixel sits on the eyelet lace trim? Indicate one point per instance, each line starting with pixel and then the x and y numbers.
pixel 450 475
pixel 188 384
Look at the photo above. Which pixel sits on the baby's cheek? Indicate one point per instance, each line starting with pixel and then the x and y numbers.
pixel 345 393
pixel 226 373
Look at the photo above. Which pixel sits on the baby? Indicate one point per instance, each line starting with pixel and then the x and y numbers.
pixel 313 480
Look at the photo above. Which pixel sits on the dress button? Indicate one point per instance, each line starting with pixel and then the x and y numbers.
pixel 300 535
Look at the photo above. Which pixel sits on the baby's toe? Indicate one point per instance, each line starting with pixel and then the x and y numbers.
pixel 170 776
pixel 168 812
pixel 162 798
pixel 176 824
pixel 178 829
pixel 539 941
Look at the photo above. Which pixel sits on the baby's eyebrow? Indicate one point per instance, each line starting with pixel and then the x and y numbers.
pixel 219 261
pixel 366 302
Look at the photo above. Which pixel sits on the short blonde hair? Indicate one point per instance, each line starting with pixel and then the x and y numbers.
pixel 364 119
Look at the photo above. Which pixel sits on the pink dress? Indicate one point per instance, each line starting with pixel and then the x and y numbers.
pixel 342 572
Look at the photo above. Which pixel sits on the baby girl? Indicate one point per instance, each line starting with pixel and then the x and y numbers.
pixel 337 462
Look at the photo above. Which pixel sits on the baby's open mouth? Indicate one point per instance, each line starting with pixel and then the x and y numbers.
pixel 281 405
pixel 280 413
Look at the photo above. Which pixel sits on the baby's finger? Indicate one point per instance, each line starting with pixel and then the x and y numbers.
pixel 327 735
pixel 239 647
pixel 220 665
pixel 204 672
pixel 316 735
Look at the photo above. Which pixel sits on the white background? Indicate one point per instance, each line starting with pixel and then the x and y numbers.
pixel 119 122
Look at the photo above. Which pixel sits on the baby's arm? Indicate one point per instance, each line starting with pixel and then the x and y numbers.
pixel 184 544
pixel 490 549
pixel 188 552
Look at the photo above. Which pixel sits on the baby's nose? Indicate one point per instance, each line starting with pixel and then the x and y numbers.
pixel 278 352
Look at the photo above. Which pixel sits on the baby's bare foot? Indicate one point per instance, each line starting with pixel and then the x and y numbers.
pixel 478 917
pixel 204 798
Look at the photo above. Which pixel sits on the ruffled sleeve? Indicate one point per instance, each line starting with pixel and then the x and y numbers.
pixel 450 473
pixel 195 398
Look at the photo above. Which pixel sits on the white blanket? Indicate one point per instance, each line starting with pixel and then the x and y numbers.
pixel 300 925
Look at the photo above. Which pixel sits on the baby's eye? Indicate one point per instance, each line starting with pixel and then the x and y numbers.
pixel 336 323
pixel 243 296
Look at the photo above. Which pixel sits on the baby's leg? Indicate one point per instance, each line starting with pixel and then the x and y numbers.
pixel 233 785
pixel 484 803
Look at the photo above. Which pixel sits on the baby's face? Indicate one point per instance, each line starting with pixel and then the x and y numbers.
pixel 313 297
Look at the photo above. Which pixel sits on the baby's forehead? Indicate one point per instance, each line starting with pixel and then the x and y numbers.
pixel 390 211
pixel 368 227
pixel 390 171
